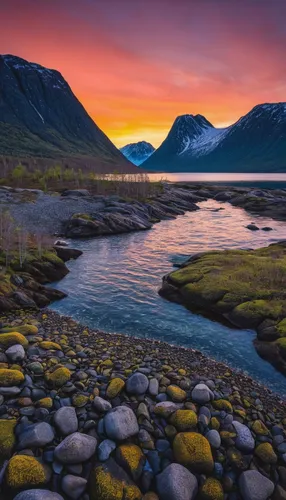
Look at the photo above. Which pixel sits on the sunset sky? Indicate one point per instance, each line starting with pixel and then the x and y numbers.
pixel 137 64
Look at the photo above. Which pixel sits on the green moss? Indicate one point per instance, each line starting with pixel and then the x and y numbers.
pixel 265 453
pixel 50 346
pixel 59 377
pixel 131 458
pixel 82 216
pixel 24 329
pixel 12 338
pixel 281 328
pixel 222 404
pixel 184 420
pixel 8 378
pixel 7 438
pixel 193 450
pixel 114 388
pixel 24 471
pixel 176 393
pixel 211 490
pixel 52 257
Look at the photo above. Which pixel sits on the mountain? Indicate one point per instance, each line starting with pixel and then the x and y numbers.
pixel 255 143
pixel 138 152
pixel 40 117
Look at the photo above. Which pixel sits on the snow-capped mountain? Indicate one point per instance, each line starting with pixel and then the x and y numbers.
pixel 138 152
pixel 41 117
pixel 255 143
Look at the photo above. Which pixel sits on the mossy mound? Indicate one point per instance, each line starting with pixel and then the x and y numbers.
pixel 176 393
pixel 50 346
pixel 24 471
pixel 7 438
pixel 184 420
pixel 211 490
pixel 222 404
pixel 45 403
pixel 110 482
pixel 12 338
pixel 114 388
pixel 8 378
pixel 266 454
pixel 24 329
pixel 59 377
pixel 260 428
pixel 193 450
pixel 131 458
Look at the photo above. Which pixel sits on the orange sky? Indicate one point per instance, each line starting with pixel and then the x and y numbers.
pixel 137 64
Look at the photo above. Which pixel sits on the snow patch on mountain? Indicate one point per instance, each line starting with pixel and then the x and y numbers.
pixel 137 152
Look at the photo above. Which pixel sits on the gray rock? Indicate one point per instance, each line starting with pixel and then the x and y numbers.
pixel 36 436
pixel 153 387
pixel 255 486
pixel 213 438
pixel 120 423
pixel 244 440
pixel 66 420
pixel 101 405
pixel 137 384
pixel 10 391
pixel 105 448
pixel 15 353
pixel 202 394
pixel 73 486
pixel 75 448
pixel 176 483
pixel 38 495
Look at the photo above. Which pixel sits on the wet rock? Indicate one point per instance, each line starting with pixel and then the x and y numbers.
pixel 255 486
pixel 36 436
pixel 101 405
pixel 213 438
pixel 66 420
pixel 75 448
pixel 105 448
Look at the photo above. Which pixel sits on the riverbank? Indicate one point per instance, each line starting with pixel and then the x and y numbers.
pixel 149 420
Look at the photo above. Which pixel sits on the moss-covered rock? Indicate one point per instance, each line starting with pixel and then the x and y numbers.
pixel 7 438
pixel 24 329
pixel 211 490
pixel 50 346
pixel 176 393
pixel 79 400
pixel 193 450
pixel 131 458
pixel 24 471
pixel 222 404
pixel 266 454
pixel 12 338
pixel 59 377
pixel 109 481
pixel 260 428
pixel 10 377
pixel 114 388
pixel 45 403
pixel 184 420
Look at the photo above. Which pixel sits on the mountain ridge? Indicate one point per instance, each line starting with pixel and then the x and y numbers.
pixel 137 152
pixel 254 143
pixel 41 117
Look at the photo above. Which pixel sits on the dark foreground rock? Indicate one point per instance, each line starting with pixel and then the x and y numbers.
pixel 91 416
pixel 244 287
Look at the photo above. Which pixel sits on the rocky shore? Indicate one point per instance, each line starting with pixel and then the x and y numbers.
pixel 92 416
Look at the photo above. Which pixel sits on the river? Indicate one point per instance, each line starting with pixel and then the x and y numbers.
pixel 113 286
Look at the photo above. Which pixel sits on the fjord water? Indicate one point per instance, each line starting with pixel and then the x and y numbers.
pixel 113 286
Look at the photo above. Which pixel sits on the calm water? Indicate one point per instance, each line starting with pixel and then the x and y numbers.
pixel 113 286
pixel 271 181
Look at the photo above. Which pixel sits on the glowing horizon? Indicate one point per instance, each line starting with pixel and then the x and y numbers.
pixel 135 69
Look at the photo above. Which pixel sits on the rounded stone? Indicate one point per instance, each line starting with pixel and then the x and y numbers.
pixel 65 420
pixel 137 384
pixel 105 448
pixel 244 440
pixel 255 486
pixel 213 438
pixel 193 450
pixel 202 394
pixel 73 486
pixel 15 353
pixel 36 436
pixel 120 423
pixel 176 483
pixel 101 405
pixel 38 495
pixel 75 448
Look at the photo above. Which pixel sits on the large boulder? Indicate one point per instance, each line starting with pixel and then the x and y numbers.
pixel 120 423
pixel 176 483
pixel 255 486
pixel 75 448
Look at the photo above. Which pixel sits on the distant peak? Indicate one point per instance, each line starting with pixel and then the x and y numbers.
pixel 195 119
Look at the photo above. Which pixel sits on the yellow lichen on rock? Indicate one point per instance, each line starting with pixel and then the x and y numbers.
pixel 211 490
pixel 7 438
pixel 184 420
pixel 8 378
pixel 24 471
pixel 12 338
pixel 193 450
pixel 131 458
pixel 222 404
pixel 45 403
pixel 176 393
pixel 266 454
pixel 79 400
pixel 59 377
pixel 260 428
pixel 104 486
pixel 114 388
pixel 24 329
pixel 51 346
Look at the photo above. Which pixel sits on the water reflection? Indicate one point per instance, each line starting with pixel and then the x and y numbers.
pixel 113 286
pixel 262 180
